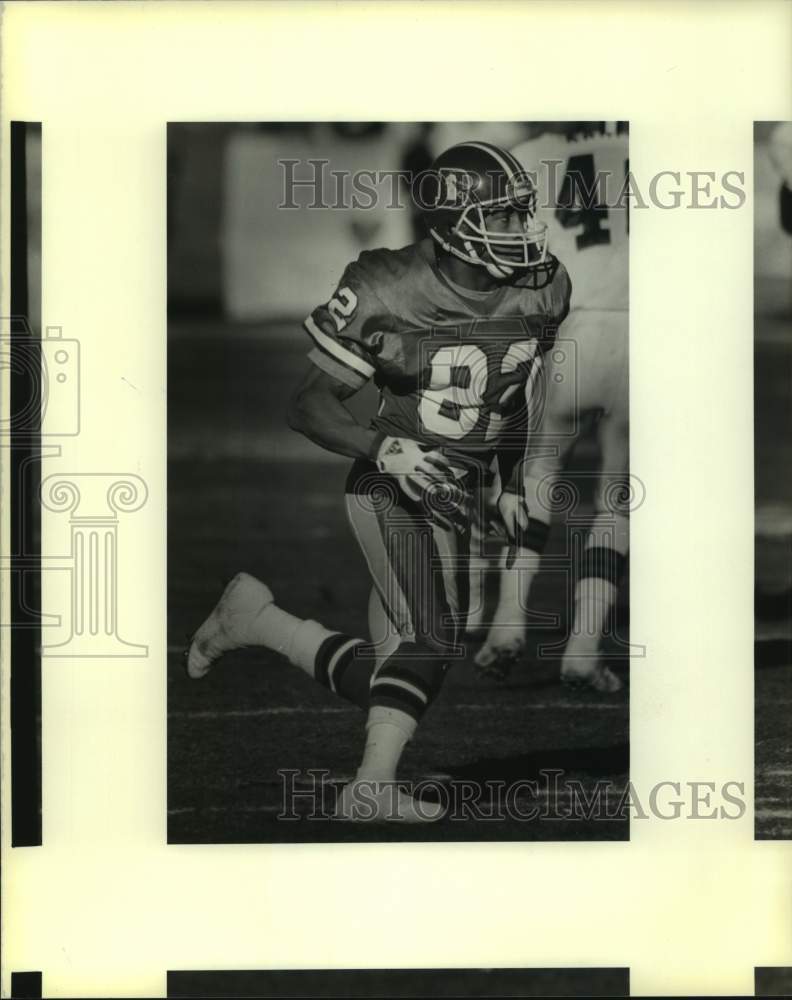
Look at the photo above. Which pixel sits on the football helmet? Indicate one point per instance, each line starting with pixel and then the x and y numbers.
pixel 457 194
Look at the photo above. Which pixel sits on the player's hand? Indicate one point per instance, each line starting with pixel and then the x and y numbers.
pixel 513 512
pixel 413 466
pixel 427 477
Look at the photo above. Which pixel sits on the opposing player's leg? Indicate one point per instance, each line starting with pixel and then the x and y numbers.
pixel 505 642
pixel 607 544
pixel 548 447
pixel 474 625
pixel 586 374
pixel 603 565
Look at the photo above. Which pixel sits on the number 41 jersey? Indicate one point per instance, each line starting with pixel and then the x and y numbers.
pixel 582 182
pixel 453 366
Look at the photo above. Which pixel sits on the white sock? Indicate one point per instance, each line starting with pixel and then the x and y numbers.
pixel 594 598
pixel 477 569
pixel 297 639
pixel 387 733
pixel 515 585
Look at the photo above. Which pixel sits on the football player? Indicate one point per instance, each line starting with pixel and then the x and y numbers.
pixel 581 170
pixel 453 330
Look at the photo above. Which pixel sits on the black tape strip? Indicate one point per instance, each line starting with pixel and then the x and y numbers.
pixel 25 516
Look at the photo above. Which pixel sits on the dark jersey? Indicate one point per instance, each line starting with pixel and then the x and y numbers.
pixel 452 365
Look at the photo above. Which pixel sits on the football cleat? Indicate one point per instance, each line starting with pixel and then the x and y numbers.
pixel 503 648
pixel 366 801
pixel 588 672
pixel 228 625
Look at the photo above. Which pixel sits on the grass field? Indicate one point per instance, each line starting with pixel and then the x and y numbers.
pixel 245 492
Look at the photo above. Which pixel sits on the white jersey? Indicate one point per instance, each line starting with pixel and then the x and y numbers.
pixel 581 185
pixel 780 149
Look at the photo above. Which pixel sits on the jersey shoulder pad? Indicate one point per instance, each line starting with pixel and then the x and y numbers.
pixel 344 328
pixel 387 272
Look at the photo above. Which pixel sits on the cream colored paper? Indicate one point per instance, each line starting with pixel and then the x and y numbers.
pixel 105 907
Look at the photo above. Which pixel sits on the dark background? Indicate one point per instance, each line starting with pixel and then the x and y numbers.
pixel 402 983
pixel 773 493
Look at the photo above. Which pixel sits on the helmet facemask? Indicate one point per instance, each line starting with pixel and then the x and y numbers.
pixel 501 253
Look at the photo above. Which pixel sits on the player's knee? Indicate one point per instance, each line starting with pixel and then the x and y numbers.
pixel 436 639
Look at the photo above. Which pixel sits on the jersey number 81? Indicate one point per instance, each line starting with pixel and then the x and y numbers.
pixel 452 411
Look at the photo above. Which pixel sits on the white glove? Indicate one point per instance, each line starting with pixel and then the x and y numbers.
pixel 414 468
pixel 427 476
pixel 514 513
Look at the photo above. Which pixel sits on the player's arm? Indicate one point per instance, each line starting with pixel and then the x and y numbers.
pixel 343 360
pixel 317 410
pixel 345 338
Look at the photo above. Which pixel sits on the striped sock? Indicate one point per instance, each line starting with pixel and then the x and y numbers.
pixel 345 666
pixel 342 663
pixel 595 595
pixel 409 681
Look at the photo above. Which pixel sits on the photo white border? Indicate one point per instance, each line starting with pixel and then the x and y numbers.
pixel 105 907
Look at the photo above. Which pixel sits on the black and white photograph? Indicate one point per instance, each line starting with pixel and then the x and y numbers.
pixel 398 481
pixel 773 477
pixel 395 499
